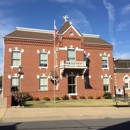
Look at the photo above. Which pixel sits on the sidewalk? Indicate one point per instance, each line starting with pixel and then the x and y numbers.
pixel 37 114
pixel 3 102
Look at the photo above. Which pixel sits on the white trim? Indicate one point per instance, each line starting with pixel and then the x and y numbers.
pixel 38 76
pixel 78 49
pixel 74 30
pixel 91 35
pixel 65 48
pixel 71 46
pixel 22 50
pixel 10 50
pixel 105 68
pixel 71 94
pixel 34 30
pixel 49 52
pixel 16 48
pixel 38 51
pixel 9 76
pixel 89 76
pixel 43 67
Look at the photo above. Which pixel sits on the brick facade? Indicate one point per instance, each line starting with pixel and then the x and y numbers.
pixel 33 43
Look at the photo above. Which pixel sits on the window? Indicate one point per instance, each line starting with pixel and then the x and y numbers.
pixel 104 61
pixel 43 83
pixel 14 84
pixel 126 79
pixel 71 84
pixel 86 82
pixel 16 58
pixel 106 84
pixel 43 59
pixel 71 55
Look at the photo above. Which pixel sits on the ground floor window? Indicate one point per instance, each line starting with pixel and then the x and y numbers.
pixel 106 84
pixel 14 84
pixel 43 83
pixel 71 84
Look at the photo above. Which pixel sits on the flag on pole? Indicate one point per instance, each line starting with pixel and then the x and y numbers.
pixel 55 29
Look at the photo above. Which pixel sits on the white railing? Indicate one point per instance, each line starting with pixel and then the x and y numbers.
pixel 73 63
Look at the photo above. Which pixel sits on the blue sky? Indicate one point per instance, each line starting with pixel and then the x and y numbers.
pixel 108 18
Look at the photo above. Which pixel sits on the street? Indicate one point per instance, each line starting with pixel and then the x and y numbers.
pixel 88 124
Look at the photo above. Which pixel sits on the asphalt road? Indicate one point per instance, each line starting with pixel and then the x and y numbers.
pixel 88 124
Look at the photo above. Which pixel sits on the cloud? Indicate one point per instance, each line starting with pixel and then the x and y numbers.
pixel 111 18
pixel 123 26
pixel 7 24
pixel 87 3
pixel 79 21
pixel 126 9
pixel 122 55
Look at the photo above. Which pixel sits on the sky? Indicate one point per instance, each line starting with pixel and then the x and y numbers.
pixel 108 18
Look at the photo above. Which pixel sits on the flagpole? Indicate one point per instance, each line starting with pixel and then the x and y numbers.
pixel 54 60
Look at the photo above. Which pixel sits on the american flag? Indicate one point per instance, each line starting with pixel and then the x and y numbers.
pixel 55 29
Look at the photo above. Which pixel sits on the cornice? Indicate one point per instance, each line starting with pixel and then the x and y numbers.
pixel 95 46
pixel 22 41
pixel 72 38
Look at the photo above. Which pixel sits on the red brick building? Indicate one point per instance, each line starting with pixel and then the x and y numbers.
pixel 83 63
pixel 122 74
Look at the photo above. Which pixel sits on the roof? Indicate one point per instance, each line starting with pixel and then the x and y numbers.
pixel 91 40
pixel 122 63
pixel 37 34
pixel 65 26
pixel 31 34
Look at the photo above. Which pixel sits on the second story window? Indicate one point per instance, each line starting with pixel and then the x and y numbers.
pixel 71 55
pixel 43 59
pixel 16 58
pixel 104 61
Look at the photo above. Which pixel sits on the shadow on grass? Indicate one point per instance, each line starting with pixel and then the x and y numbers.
pixel 121 106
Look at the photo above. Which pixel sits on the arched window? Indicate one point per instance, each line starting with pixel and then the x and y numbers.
pixel 126 80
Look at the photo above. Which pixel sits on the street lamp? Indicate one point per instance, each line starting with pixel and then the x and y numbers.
pixel 19 75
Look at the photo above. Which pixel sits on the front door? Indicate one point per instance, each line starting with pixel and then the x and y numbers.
pixel 71 84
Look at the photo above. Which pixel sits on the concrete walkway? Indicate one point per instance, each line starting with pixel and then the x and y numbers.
pixel 3 103
pixel 37 114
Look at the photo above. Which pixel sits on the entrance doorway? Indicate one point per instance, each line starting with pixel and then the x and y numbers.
pixel 71 84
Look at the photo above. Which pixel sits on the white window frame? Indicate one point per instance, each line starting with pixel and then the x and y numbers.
pixel 71 57
pixel 127 81
pixel 106 63
pixel 15 77
pixel 13 66
pixel 106 84
pixel 43 59
pixel 73 84
pixel 43 84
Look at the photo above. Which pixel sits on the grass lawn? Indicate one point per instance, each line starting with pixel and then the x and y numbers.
pixel 74 103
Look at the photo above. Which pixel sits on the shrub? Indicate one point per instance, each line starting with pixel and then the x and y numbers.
pixel 98 97
pixel 57 97
pixel 35 98
pixel 126 94
pixel 21 97
pixel 90 97
pixel 107 95
pixel 46 98
pixel 73 97
pixel 82 97
pixel 65 97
